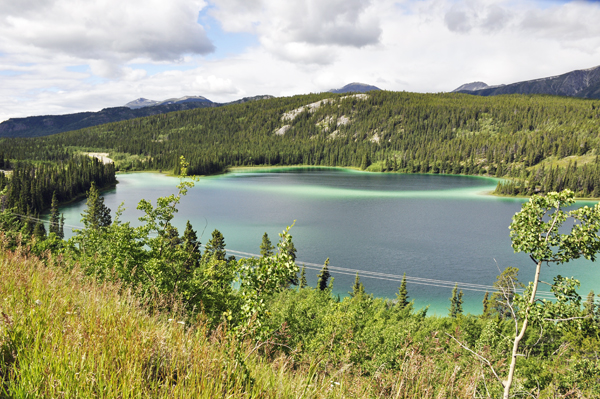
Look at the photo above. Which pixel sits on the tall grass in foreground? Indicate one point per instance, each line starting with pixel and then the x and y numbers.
pixel 62 335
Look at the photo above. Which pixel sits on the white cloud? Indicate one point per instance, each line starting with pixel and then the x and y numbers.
pixel 109 30
pixel 302 46
pixel 303 30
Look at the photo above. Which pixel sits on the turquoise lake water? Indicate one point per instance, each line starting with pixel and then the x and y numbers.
pixel 430 227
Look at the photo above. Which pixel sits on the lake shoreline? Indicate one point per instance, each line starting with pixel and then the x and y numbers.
pixel 234 169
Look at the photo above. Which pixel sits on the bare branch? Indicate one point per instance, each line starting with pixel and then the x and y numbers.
pixel 478 356
pixel 540 337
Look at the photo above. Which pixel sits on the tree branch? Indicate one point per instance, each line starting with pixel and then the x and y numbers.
pixel 483 359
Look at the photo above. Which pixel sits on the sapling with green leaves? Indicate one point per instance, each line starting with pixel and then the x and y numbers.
pixel 536 230
pixel 261 277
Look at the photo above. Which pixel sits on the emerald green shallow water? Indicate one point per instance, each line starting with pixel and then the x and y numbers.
pixel 427 226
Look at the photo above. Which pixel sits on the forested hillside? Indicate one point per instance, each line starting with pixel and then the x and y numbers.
pixel 543 141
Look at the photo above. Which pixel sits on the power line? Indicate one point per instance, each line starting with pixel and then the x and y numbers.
pixel 398 278
pixel 367 273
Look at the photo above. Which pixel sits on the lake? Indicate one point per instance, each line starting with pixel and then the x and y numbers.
pixel 431 227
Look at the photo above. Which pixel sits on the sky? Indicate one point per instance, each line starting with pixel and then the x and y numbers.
pixel 65 56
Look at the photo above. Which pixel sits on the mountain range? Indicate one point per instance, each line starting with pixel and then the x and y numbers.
pixel 584 83
pixel 37 126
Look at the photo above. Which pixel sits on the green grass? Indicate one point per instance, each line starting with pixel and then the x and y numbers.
pixel 64 336
pixel 564 162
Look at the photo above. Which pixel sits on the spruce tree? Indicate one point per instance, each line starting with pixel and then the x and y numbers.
pixel 97 214
pixel 61 229
pixel 589 306
pixel 456 302
pixel 215 247
pixel 191 246
pixel 171 235
pixel 323 276
pixel 486 304
pixel 358 288
pixel 54 216
pixel 266 248
pixel 303 282
pixel 39 231
pixel 402 295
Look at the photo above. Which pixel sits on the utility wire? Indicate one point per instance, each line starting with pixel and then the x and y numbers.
pixel 364 273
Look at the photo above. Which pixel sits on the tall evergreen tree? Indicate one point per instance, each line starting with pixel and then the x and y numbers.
pixel 456 302
pixel 54 216
pixel 358 288
pixel 39 231
pixel 303 282
pixel 402 295
pixel 486 305
pixel 266 248
pixel 589 306
pixel 323 276
pixel 96 215
pixel 171 235
pixel 61 229
pixel 215 247
pixel 191 246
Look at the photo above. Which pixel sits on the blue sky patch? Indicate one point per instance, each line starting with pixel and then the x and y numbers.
pixel 78 68
pixel 9 72
pixel 226 43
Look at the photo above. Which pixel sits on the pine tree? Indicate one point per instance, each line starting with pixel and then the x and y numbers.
pixel 191 246
pixel 171 235
pixel 303 282
pixel 266 248
pixel 358 288
pixel 215 247
pixel 54 216
pixel 402 295
pixel 456 302
pixel 323 276
pixel 97 214
pixel 486 304
pixel 61 229
pixel 589 305
pixel 39 231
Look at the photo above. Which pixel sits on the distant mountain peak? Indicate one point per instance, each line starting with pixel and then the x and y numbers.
pixel 144 102
pixel 472 86
pixel 355 87
pixel 140 103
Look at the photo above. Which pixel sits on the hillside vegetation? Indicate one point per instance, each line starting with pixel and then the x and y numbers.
pixel 453 133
